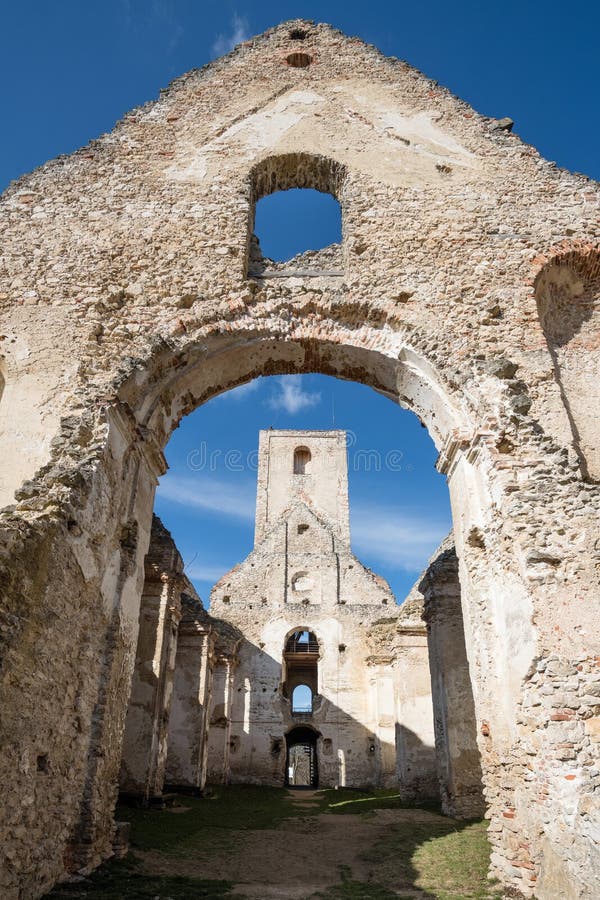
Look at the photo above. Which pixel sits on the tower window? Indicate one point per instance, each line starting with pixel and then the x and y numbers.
pixel 300 670
pixel 302 699
pixel 302 460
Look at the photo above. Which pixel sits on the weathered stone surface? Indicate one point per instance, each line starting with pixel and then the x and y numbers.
pixel 192 686
pixel 125 304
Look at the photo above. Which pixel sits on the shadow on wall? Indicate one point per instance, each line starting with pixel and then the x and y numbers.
pixel 418 762
pixel 251 719
pixel 568 294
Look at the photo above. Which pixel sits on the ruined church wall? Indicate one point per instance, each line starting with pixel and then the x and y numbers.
pixel 459 766
pixel 448 223
pixel 355 712
pixel 170 610
pixel 77 611
pixel 416 763
pixel 144 739
pixel 219 724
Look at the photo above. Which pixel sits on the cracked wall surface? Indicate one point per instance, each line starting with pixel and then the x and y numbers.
pixel 468 294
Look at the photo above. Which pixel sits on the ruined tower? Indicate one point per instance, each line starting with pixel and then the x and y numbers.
pixel 309 467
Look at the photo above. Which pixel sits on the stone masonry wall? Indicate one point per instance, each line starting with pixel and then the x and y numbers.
pixel 192 688
pixel 125 305
pixel 302 576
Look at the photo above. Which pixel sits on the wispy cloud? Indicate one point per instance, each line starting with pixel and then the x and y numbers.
pixel 241 392
pixel 291 397
pixel 230 499
pixel 238 32
pixel 401 540
pixel 142 16
pixel 207 571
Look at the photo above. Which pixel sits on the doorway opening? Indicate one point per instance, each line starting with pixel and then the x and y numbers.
pixel 301 767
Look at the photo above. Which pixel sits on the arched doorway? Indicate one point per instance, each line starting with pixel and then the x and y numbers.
pixel 167 386
pixel 301 765
pixel 131 432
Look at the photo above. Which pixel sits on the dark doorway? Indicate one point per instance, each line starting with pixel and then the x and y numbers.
pixel 301 767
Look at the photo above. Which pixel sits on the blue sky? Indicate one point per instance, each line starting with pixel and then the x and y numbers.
pixel 69 70
pixel 398 502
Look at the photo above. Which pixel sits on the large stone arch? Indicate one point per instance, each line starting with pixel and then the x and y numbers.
pixel 134 308
pixel 152 401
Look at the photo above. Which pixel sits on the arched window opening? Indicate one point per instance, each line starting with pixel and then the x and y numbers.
pixel 299 231
pixel 296 217
pixel 302 458
pixel 302 642
pixel 301 671
pixel 302 699
pixel 299 60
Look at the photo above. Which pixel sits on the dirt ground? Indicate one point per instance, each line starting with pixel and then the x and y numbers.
pixel 276 844
pixel 299 858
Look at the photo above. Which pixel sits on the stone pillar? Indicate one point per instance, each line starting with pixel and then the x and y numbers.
pixel 146 726
pixel 459 766
pixel 127 532
pixel 145 739
pixel 188 722
pixel 416 762
pixel 220 720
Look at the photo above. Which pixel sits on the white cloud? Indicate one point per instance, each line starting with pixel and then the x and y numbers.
pixel 401 540
pixel 240 31
pixel 241 392
pixel 291 397
pixel 203 491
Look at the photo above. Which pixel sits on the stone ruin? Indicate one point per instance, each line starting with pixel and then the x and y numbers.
pixel 327 659
pixel 465 289
pixel 387 699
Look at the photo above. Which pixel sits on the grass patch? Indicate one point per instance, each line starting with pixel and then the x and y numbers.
pixel 347 800
pixel 445 858
pixel 118 880
pixel 421 854
pixel 207 824
pixel 456 864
